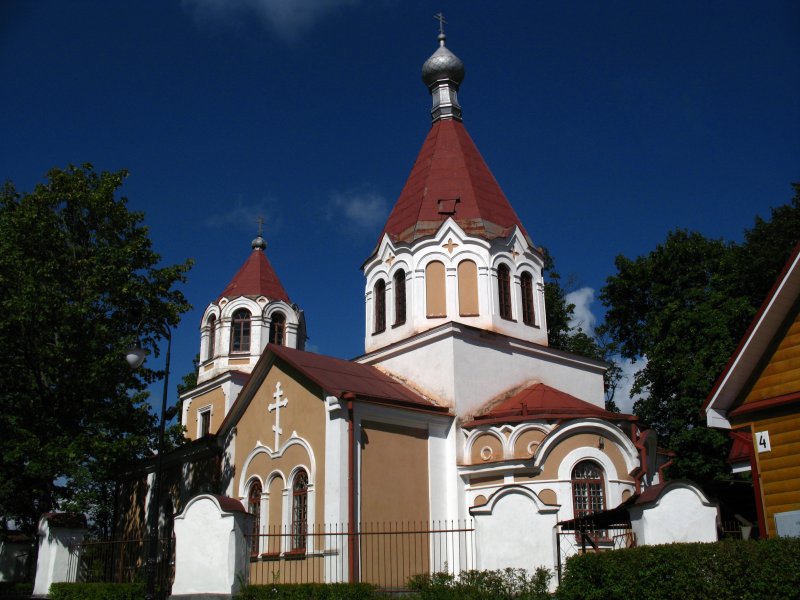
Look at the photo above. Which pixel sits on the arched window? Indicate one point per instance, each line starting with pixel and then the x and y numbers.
pixel 435 294
pixel 277 329
pixel 379 292
pixel 588 495
pixel 299 510
pixel 504 291
pixel 399 297
pixel 467 288
pixel 212 336
pixel 528 314
pixel 240 331
pixel 254 508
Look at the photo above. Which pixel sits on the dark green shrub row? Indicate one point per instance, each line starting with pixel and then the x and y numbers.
pixel 483 585
pixel 730 569
pixel 312 591
pixel 96 591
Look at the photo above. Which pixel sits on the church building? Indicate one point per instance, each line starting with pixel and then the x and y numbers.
pixel 457 409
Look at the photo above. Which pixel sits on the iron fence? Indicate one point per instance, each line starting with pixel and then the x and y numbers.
pixel 384 554
pixel 121 561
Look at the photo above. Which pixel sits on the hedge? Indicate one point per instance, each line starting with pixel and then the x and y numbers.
pixel 96 591
pixel 311 591
pixel 726 570
pixel 482 585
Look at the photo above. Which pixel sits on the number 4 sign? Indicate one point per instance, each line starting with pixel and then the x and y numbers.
pixel 762 441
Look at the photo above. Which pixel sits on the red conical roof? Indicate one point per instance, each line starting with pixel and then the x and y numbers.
pixel 256 278
pixel 541 401
pixel 451 179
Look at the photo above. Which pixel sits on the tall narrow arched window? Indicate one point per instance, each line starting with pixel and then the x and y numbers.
pixel 467 289
pixel 435 290
pixel 212 337
pixel 240 331
pixel 254 508
pixel 504 291
pixel 277 329
pixel 528 314
pixel 588 490
pixel 379 293
pixel 299 510
pixel 399 297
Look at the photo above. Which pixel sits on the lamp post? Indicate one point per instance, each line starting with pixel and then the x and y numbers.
pixel 135 358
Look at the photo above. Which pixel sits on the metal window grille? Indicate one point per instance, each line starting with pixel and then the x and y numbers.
pixel 380 306
pixel 504 291
pixel 240 331
pixel 299 510
pixel 400 297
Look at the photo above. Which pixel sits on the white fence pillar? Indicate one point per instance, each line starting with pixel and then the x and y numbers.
pixel 57 531
pixel 210 547
pixel 676 511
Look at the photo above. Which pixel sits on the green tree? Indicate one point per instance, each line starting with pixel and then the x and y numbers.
pixel 683 308
pixel 81 284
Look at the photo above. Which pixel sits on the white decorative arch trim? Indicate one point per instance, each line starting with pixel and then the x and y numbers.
pixel 294 440
pixel 488 508
pixel 586 453
pixel 594 426
pixel 493 431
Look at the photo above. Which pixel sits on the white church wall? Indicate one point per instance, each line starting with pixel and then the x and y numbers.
pixel 681 513
pixel 210 547
pixel 515 529
pixel 52 563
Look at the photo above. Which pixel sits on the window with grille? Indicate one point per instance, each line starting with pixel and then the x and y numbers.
pixel 240 331
pixel 504 291
pixel 277 329
pixel 528 315
pixel 212 336
pixel 400 297
pixel 254 508
pixel 205 422
pixel 588 492
pixel 380 306
pixel 299 510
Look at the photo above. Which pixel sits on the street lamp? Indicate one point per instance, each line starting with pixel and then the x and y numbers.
pixel 135 358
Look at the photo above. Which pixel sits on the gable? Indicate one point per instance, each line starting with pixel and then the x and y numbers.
pixel 781 374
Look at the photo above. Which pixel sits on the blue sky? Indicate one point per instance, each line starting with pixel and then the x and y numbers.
pixel 607 124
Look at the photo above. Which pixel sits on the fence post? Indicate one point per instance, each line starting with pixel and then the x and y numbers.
pixel 57 531
pixel 210 547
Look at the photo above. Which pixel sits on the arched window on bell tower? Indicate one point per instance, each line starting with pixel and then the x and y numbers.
pixel 212 337
pixel 277 329
pixel 380 306
pixel 528 312
pixel 504 291
pixel 399 297
pixel 240 331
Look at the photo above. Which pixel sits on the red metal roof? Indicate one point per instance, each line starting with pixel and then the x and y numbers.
pixel 337 376
pixel 256 278
pixel 451 179
pixel 742 447
pixel 541 401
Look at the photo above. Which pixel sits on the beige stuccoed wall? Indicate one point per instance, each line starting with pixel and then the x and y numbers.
pixel 304 414
pixel 583 440
pixel 216 399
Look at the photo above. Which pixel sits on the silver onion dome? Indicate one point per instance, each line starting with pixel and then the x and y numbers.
pixel 442 64
pixel 443 73
pixel 259 243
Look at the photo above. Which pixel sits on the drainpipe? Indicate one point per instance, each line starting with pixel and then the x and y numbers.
pixel 352 539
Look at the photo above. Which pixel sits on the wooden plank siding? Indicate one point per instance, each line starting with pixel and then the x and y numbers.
pixel 779 469
pixel 781 376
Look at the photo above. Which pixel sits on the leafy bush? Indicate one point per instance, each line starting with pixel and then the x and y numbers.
pixel 309 591
pixel 483 585
pixel 96 591
pixel 725 570
pixel 11 589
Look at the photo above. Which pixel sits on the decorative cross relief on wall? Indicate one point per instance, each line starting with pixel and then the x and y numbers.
pixel 276 406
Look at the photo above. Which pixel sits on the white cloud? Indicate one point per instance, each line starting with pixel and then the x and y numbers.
pixel 245 217
pixel 287 18
pixel 364 209
pixel 622 395
pixel 583 316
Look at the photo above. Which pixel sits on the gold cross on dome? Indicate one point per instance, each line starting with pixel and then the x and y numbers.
pixel 389 260
pixel 442 22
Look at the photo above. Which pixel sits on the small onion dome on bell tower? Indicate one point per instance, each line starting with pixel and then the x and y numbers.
pixel 443 73
pixel 259 243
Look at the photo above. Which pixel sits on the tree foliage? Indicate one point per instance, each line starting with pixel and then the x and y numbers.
pixel 683 308
pixel 81 283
